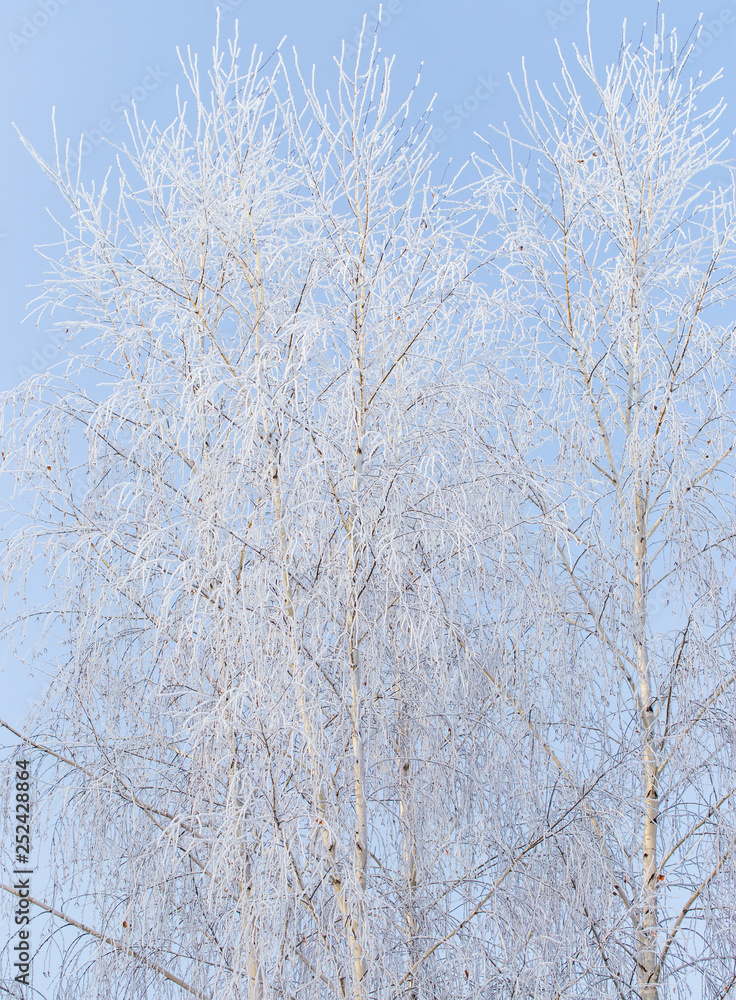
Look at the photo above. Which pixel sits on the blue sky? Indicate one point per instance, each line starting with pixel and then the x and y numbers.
pixel 91 58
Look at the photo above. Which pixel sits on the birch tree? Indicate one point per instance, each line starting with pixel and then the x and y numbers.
pixel 389 535
pixel 273 760
pixel 612 220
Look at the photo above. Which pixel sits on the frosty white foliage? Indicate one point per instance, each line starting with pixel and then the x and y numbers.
pixel 274 764
pixel 368 692
pixel 618 298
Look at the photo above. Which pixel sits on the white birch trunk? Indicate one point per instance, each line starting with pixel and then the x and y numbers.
pixel 648 923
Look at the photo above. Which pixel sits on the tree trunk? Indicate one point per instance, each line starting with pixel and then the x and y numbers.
pixel 647 917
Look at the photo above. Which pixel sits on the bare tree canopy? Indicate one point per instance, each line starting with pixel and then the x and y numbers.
pixel 389 533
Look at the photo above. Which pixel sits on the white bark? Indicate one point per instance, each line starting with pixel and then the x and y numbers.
pixel 371 687
pixel 274 593
pixel 611 311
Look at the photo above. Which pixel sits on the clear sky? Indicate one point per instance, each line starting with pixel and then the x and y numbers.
pixel 90 58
